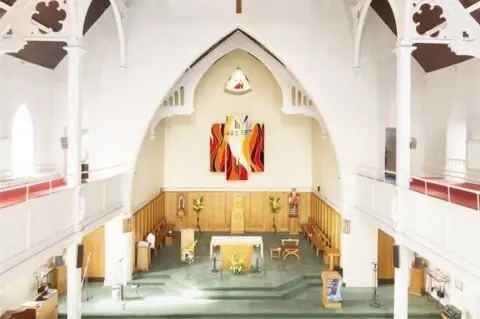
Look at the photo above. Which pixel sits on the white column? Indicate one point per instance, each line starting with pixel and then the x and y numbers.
pixel 402 282
pixel 404 100
pixel 74 57
pixel 74 277
pixel 404 97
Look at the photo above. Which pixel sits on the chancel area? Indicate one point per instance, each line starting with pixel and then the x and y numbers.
pixel 235 225
pixel 239 159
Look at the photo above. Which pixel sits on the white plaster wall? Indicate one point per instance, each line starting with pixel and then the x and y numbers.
pixel 25 83
pixel 150 167
pixel 16 292
pixel 450 93
pixel 287 138
pixel 378 76
pixel 325 171
pixel 161 46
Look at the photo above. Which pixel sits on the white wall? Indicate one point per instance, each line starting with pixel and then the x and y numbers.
pixel 325 171
pixel 450 93
pixel 150 167
pixel 31 85
pixel 287 138
pixel 161 46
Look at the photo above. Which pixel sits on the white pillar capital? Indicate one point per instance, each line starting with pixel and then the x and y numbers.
pixel 404 49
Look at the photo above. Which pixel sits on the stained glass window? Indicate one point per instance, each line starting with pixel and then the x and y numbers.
pixel 238 83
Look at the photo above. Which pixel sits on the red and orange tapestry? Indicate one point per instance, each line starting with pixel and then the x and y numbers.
pixel 237 148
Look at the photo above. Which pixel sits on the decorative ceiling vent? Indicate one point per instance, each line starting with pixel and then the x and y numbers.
pixel 238 83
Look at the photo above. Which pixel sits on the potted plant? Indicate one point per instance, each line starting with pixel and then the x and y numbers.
pixel 197 208
pixel 236 264
pixel 188 254
pixel 274 204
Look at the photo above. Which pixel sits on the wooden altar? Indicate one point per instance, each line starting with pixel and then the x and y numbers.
pixel 238 219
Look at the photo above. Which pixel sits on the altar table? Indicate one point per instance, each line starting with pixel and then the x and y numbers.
pixel 242 246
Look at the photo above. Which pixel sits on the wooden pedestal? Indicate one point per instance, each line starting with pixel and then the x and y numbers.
pixel 327 277
pixel 240 250
pixel 417 281
pixel 293 229
pixel 59 279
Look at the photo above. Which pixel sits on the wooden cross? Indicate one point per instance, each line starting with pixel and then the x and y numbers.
pixel 239 6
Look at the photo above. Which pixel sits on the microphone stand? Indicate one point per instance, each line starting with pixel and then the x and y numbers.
pixel 214 270
pixel 85 279
pixel 375 302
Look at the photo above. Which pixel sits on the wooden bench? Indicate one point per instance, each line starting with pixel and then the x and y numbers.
pixel 307 228
pixel 160 231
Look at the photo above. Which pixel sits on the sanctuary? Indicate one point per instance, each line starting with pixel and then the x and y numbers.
pixel 239 159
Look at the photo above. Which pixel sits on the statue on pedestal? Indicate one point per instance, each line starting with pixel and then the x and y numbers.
pixel 181 206
pixel 293 200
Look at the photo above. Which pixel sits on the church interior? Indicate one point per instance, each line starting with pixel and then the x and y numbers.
pixel 239 159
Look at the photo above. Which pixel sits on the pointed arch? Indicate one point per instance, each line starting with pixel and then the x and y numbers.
pixel 22 143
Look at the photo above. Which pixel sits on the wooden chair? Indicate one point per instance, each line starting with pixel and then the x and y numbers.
pixel 290 248
pixel 275 252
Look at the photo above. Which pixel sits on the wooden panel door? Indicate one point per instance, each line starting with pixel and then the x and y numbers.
pixel 385 256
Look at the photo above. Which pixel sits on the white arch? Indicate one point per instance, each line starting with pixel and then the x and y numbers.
pixel 237 41
pixel 22 143
pixel 361 24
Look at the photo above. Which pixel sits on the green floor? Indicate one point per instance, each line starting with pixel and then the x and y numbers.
pixel 282 289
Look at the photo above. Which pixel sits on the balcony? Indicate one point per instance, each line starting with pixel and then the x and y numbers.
pixel 34 226
pixel 440 220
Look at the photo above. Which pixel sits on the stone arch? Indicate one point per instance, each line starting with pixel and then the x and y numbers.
pixel 323 122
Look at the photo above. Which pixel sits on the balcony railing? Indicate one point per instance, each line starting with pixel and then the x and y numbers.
pixel 33 187
pixel 464 194
pixel 39 223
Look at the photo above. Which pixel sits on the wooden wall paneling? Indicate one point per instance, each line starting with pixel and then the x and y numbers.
pixel 283 220
pixel 170 207
pixel 304 208
pixel 385 256
pixel 134 244
pixel 257 213
pixel 94 244
pixel 217 218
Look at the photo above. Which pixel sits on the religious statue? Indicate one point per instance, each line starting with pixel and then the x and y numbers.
pixel 293 201
pixel 181 206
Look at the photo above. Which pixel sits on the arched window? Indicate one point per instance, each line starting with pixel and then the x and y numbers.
pixel 22 143
pixel 456 143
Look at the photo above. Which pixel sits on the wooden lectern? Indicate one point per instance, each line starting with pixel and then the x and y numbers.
pixel 238 221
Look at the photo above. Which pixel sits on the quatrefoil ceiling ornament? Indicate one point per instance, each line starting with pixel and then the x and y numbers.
pixel 429 20
pixel 50 14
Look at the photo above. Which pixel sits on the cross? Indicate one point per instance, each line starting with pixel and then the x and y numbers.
pixel 239 6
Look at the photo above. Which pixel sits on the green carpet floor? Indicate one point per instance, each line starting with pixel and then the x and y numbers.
pixel 282 289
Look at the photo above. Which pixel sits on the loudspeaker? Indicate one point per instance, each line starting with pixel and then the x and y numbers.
pixel 396 256
pixel 59 261
pixel 79 256
pixel 413 143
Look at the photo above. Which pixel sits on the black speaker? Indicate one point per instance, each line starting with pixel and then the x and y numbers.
pixel 79 256
pixel 396 257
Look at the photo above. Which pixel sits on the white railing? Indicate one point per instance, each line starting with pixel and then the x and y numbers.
pixel 457 165
pixel 32 226
pixel 437 227
pixel 444 190
pixel 33 188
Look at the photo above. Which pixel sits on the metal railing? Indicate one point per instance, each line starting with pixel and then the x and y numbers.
pixel 33 187
pixel 428 188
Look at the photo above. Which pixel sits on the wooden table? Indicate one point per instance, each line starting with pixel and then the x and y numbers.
pixel 239 245
pixel 241 251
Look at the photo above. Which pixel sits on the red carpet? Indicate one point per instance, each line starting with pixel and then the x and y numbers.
pixel 19 194
pixel 465 196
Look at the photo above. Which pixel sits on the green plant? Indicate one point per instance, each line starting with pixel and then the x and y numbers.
pixel 236 264
pixel 274 204
pixel 198 205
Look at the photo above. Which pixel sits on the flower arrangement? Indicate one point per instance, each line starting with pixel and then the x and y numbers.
pixel 236 264
pixel 187 256
pixel 274 204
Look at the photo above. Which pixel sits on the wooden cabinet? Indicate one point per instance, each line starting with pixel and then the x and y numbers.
pixel 238 216
pixel 417 281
